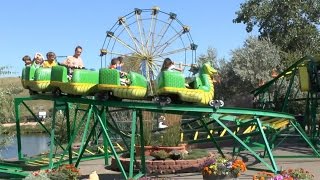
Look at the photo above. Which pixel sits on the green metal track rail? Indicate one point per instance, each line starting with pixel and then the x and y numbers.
pixel 259 122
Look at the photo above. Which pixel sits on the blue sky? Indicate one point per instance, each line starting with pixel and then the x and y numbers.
pixel 28 27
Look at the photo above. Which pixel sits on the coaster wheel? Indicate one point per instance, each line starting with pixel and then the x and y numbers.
pixel 57 92
pixel 216 103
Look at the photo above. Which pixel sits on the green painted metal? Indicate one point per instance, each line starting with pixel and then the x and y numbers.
pixel 86 128
pixel 133 138
pixel 69 134
pixel 105 142
pixel 73 136
pixel 17 113
pixel 285 103
pixel 86 143
pixel 52 135
pixel 266 143
pixel 11 172
pixel 122 135
pixel 221 139
pixel 282 74
pixel 304 136
pixel 247 147
pixel 242 118
pixel 143 158
pixel 211 137
pixel 312 87
pixel 139 175
pixel 112 149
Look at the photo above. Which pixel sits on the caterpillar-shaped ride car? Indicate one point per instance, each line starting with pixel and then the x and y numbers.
pixel 171 86
pixel 106 83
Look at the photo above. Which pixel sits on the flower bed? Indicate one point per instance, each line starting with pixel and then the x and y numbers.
pixel 150 149
pixel 222 168
pixel 290 174
pixel 162 166
pixel 67 171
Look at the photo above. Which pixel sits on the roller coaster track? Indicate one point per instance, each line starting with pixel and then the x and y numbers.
pixel 11 170
pixel 270 96
pixel 212 125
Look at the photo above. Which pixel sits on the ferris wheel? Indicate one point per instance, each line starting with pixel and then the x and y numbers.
pixel 145 37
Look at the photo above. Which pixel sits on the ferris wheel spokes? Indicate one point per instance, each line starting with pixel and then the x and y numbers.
pixel 122 22
pixel 111 35
pixel 140 28
pixel 163 46
pixel 163 31
pixel 105 52
pixel 172 52
pixel 155 11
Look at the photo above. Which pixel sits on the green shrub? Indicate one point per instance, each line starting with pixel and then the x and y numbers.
pixel 196 154
pixel 160 155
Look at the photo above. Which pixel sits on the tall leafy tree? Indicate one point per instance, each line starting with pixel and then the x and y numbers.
pixel 232 89
pixel 293 25
pixel 255 60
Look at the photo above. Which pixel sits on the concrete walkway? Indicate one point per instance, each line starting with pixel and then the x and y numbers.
pixel 311 164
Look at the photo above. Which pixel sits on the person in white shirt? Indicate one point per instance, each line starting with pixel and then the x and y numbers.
pixel 168 65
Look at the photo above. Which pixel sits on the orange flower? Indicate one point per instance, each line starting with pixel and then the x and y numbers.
pixel 36 173
pixel 75 170
pixel 69 166
pixel 206 169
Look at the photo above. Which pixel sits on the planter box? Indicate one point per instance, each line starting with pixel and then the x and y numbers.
pixel 149 149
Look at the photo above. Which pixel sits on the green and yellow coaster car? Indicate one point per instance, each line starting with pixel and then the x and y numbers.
pixel 107 82
pixel 83 82
pixel 172 85
pixel 36 79
pixel 110 84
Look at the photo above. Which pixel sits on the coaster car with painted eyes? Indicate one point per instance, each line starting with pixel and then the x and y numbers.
pixel 171 87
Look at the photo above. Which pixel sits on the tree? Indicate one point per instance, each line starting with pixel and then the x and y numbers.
pixel 4 70
pixel 210 57
pixel 255 60
pixel 4 141
pixel 231 88
pixel 293 25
